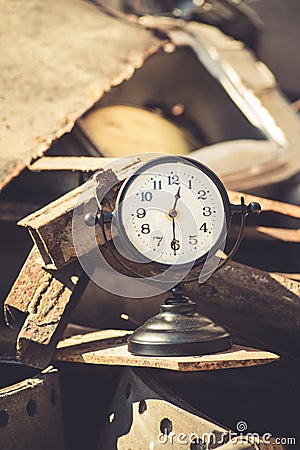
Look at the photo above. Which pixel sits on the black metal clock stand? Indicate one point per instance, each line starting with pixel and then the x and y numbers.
pixel 178 330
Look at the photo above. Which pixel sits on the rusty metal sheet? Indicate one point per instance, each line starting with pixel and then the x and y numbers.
pixel 40 304
pixel 267 204
pixel 49 313
pixel 32 280
pixel 262 307
pixel 109 347
pixel 59 215
pixel 56 61
pixel 146 414
pixel 31 414
pixel 70 163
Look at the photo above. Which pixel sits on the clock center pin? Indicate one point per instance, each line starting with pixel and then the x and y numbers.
pixel 173 213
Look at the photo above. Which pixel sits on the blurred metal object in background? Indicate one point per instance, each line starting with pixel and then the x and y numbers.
pixel 225 101
pixel 121 130
pixel 233 17
pixel 278 44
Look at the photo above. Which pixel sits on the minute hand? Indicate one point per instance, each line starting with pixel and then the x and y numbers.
pixel 177 197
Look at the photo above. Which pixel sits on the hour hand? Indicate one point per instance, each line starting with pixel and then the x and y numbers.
pixel 175 242
pixel 175 245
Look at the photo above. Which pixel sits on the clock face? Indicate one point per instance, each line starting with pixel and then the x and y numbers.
pixel 172 211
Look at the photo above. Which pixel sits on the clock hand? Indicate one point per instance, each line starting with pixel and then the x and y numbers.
pixel 177 197
pixel 174 243
pixel 173 212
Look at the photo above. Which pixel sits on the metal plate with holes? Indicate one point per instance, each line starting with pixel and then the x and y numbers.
pixel 31 415
pixel 144 415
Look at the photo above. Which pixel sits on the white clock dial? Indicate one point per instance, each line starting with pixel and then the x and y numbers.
pixel 172 211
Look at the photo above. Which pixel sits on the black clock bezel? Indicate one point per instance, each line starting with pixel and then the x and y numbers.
pixel 122 234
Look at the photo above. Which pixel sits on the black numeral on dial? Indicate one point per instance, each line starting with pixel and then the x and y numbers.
pixel 175 245
pixel 207 211
pixel 204 227
pixel 173 179
pixel 140 213
pixel 158 240
pixel 145 228
pixel 193 239
pixel 146 196
pixel 157 184
pixel 202 194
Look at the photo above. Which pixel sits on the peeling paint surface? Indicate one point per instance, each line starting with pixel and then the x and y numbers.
pixel 55 63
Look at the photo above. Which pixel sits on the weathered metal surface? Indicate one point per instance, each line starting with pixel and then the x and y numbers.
pixel 51 226
pixel 70 163
pixel 266 204
pixel 264 397
pixel 50 301
pixel 145 414
pixel 53 70
pixel 263 307
pixel 292 276
pixel 30 283
pixel 31 414
pixel 109 348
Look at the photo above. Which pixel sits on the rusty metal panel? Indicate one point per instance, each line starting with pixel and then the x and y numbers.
pixel 145 414
pixel 49 313
pixel 109 347
pixel 31 415
pixel 31 278
pixel 56 61
pixel 59 215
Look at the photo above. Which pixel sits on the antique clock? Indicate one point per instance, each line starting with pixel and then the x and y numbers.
pixel 169 225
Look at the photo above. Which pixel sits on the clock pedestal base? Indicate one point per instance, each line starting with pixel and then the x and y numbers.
pixel 178 330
